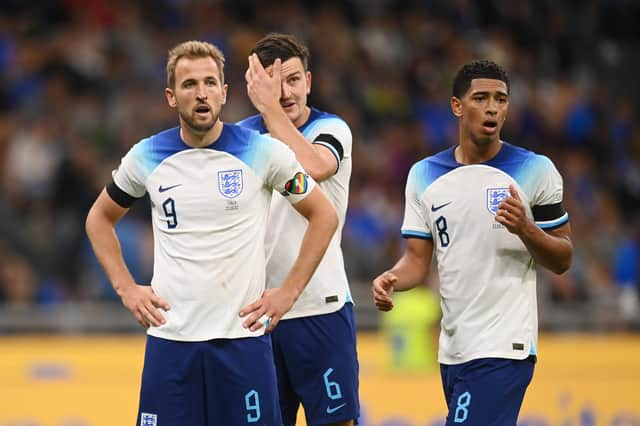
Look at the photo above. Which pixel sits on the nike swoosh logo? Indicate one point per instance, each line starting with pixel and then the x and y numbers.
pixel 161 189
pixel 435 209
pixel 331 410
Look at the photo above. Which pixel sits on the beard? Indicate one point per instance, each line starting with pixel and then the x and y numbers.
pixel 196 127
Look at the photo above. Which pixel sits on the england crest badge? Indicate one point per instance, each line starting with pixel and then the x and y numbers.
pixel 495 197
pixel 230 183
pixel 147 419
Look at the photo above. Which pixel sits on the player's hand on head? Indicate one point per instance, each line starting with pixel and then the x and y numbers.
pixel 382 290
pixel 264 88
pixel 266 312
pixel 145 305
pixel 511 212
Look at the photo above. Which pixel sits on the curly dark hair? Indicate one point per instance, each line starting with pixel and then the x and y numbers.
pixel 283 46
pixel 477 69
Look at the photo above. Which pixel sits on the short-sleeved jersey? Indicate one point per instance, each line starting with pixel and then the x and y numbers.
pixel 328 289
pixel 487 276
pixel 209 210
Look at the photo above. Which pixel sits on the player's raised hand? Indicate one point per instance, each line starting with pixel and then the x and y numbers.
pixel 267 311
pixel 511 212
pixel 144 304
pixel 382 289
pixel 264 88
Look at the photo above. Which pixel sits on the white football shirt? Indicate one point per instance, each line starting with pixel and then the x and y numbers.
pixel 328 289
pixel 209 210
pixel 487 276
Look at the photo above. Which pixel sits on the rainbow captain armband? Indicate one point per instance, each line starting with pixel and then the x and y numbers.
pixel 298 185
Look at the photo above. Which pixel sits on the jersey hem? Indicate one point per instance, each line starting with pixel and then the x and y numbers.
pixel 204 338
pixel 315 312
pixel 524 354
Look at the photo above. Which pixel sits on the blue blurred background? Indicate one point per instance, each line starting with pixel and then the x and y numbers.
pixel 81 81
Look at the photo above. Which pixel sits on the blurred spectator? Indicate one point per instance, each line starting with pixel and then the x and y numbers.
pixel 17 281
pixel 627 276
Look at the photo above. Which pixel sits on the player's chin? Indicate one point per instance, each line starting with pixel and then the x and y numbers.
pixel 485 137
pixel 292 111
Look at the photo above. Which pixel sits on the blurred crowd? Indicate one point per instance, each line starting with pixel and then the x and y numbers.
pixel 81 81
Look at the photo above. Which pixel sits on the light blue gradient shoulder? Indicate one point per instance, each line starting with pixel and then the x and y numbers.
pixel 150 152
pixel 421 175
pixel 325 119
pixel 247 145
pixel 142 158
pixel 532 171
pixel 260 152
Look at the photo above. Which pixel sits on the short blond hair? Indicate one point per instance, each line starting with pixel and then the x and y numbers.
pixel 193 49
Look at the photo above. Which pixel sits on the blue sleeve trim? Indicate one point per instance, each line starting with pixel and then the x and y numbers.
pixel 551 224
pixel 333 151
pixel 417 234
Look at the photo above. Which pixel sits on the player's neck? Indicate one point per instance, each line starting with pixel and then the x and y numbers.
pixel 302 120
pixel 470 152
pixel 200 140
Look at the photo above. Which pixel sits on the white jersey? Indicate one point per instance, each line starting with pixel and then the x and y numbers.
pixel 487 276
pixel 328 289
pixel 209 211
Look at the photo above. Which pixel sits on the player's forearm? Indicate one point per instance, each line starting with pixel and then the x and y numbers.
pixel 103 238
pixel 554 252
pixel 321 228
pixel 410 271
pixel 281 128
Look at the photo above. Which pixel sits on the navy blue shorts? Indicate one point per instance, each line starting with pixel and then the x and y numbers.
pixel 217 382
pixel 486 391
pixel 317 365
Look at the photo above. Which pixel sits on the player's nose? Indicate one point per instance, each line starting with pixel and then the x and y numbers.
pixel 201 92
pixel 284 91
pixel 492 107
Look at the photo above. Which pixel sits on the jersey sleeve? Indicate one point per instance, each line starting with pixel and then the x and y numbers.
pixel 415 223
pixel 129 176
pixel 335 135
pixel 286 175
pixel 546 203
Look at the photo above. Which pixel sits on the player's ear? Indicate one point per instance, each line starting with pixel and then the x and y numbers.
pixel 171 97
pixel 307 76
pixel 456 106
pixel 225 89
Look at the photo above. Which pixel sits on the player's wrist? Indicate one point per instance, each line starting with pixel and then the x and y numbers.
pixel 529 230
pixel 124 286
pixel 292 292
pixel 273 111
